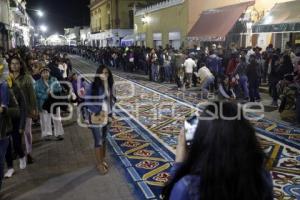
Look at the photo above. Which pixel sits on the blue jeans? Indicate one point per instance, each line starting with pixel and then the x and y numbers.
pixel 205 85
pixel 3 148
pixel 168 73
pixel 154 72
pixel 244 85
pixel 99 134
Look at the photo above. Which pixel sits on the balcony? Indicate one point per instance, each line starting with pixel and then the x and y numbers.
pixel 17 7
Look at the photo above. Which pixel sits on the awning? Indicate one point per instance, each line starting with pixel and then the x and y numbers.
pixel 283 17
pixel 215 24
pixel 129 38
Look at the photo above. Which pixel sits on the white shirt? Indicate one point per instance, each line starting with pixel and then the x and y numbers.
pixel 189 65
pixel 204 73
pixel 63 67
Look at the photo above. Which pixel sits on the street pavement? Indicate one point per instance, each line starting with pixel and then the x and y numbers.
pixel 65 170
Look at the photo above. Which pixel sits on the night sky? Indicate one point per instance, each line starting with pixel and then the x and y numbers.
pixel 60 14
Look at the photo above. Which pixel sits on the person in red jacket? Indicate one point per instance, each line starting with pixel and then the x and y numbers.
pixel 232 65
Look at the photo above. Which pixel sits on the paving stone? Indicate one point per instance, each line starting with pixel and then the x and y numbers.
pixel 66 170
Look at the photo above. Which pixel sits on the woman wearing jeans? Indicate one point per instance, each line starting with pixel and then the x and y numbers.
pixel 100 99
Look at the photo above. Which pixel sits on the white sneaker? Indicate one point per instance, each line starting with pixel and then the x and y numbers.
pixel 9 173
pixel 22 162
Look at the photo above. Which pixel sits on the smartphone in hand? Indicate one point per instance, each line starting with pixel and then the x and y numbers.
pixel 190 126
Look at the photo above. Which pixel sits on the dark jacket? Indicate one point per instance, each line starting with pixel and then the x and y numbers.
pixel 13 101
pixel 55 71
pixel 17 101
pixel 97 107
pixel 187 188
pixel 253 71
pixel 4 101
pixel 26 85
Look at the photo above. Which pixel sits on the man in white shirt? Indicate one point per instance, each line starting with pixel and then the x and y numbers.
pixel 206 78
pixel 189 66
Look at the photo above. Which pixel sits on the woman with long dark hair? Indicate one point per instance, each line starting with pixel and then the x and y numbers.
pixel 17 105
pixel 225 160
pixel 18 70
pixel 100 99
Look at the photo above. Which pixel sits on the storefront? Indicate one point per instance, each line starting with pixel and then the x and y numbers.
pixel 281 26
pixel 219 25
pixel 128 40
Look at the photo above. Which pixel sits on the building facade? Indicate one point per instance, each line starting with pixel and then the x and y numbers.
pixel 22 26
pixel 4 25
pixel 16 27
pixel 85 35
pixel 73 35
pixel 112 20
pixel 182 18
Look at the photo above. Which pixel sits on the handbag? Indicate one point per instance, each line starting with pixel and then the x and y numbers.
pixel 99 119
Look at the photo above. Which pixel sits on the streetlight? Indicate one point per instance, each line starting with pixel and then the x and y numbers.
pixel 40 13
pixel 146 19
pixel 43 28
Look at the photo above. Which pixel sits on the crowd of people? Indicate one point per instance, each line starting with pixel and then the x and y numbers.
pixel 232 74
pixel 31 80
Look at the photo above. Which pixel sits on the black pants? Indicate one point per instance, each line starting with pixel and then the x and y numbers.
pixel 15 141
pixel 273 90
pixel 3 148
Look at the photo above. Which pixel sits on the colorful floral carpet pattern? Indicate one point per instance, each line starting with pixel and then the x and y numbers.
pixel 150 117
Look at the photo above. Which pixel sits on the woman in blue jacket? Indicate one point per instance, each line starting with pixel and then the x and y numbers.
pixel 45 87
pixel 225 160
pixel 100 100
